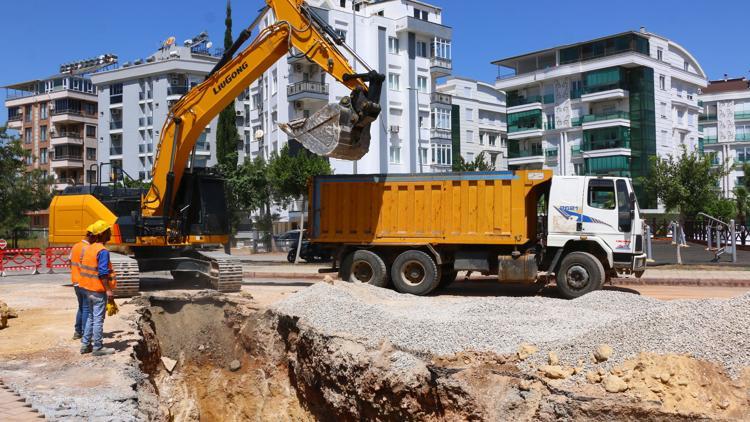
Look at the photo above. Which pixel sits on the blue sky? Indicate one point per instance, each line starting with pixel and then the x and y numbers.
pixel 45 33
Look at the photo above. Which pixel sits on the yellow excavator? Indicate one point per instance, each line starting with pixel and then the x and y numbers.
pixel 171 225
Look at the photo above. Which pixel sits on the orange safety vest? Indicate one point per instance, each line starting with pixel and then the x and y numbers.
pixel 89 275
pixel 76 257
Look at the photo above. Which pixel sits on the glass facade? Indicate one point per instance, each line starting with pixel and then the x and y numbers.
pixel 514 99
pixel 608 166
pixel 642 130
pixel 606 138
pixel 605 47
pixel 604 79
pixel 525 120
pixel 532 150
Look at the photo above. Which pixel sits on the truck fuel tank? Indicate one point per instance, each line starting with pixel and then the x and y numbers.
pixel 522 269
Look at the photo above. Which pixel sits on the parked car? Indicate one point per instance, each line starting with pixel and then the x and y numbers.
pixel 311 252
pixel 288 240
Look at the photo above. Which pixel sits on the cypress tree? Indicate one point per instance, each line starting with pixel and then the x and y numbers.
pixel 227 136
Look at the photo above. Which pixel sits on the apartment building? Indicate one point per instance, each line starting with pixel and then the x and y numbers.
pixel 405 40
pixel 134 101
pixel 602 107
pixel 478 119
pixel 57 120
pixel 725 123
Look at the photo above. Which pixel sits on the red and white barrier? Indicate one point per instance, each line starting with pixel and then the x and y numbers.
pixel 57 258
pixel 20 260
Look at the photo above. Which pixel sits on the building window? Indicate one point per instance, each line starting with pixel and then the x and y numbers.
pixel 662 82
pixel 27 113
pixel 686 66
pixel 469 115
pixel 663 110
pixel 441 154
pixel 481 138
pixel 43 112
pixel 492 139
pixel 421 47
pixel 393 45
pixel 27 135
pixel 395 154
pixel 441 48
pixel 660 54
pixel 422 84
pixel 90 131
pixel 43 133
pixel 470 136
pixel 342 3
pixel 421 14
pixel 393 81
pixel 43 156
pixel 91 154
pixel 422 155
pixel 441 118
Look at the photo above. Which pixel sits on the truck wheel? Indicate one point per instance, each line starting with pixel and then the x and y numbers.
pixel 291 256
pixel 366 267
pixel 579 273
pixel 415 272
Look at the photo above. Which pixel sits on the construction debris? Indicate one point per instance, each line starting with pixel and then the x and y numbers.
pixel 6 313
pixel 169 363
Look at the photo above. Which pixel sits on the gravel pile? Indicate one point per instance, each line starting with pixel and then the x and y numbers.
pixel 717 330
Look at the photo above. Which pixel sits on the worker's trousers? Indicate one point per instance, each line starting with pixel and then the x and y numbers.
pixel 83 310
pixel 94 330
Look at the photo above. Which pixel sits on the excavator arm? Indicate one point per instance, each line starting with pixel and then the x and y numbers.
pixel 338 130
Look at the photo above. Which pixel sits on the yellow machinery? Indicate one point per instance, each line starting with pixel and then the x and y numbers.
pixel 184 208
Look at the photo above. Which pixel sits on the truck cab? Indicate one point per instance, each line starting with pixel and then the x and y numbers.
pixel 599 214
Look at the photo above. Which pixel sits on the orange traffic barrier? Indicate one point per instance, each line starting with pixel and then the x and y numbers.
pixel 57 258
pixel 20 260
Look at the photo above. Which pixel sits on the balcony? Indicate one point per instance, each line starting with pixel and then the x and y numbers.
pixel 115 100
pixel 307 90
pixel 518 104
pixel 613 93
pixel 61 138
pixel 685 100
pixel 710 139
pixel 439 133
pixel 115 150
pixel 707 117
pixel 549 125
pixel 534 154
pixel 15 117
pixel 72 115
pixel 551 154
pixel 742 116
pixel 575 151
pixel 576 121
pixel 115 125
pixel 440 98
pixel 203 147
pixel 608 166
pixel 177 90
pixel 145 121
pixel 66 161
pixel 440 66
pixel 742 137
pixel 617 118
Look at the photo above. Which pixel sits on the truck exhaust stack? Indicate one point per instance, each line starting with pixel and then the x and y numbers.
pixel 331 132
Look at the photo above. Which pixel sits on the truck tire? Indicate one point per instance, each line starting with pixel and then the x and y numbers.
pixel 579 273
pixel 415 272
pixel 366 267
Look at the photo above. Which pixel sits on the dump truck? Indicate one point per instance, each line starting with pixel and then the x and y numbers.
pixel 417 231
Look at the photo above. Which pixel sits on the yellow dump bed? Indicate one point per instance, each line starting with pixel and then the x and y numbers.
pixel 455 208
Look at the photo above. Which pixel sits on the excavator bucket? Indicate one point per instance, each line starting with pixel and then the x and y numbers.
pixel 334 131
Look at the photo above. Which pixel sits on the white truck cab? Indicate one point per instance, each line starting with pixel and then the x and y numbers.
pixel 601 213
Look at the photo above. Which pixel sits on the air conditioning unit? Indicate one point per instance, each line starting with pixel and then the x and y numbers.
pixel 394 129
pixel 298 105
pixel 298 67
pixel 240 113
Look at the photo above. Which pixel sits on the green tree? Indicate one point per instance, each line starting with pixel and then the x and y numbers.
pixel 21 190
pixel 742 195
pixel 288 176
pixel 227 136
pixel 479 164
pixel 249 191
pixel 686 184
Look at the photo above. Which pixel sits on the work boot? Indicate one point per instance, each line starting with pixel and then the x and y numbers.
pixel 103 351
pixel 77 336
pixel 86 349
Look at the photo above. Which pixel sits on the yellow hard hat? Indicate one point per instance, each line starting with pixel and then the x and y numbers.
pixel 89 228
pixel 99 227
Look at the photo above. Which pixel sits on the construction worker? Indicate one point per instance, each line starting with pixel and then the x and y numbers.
pixel 76 256
pixel 97 280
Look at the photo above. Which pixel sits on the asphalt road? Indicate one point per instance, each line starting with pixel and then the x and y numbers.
pixel 665 253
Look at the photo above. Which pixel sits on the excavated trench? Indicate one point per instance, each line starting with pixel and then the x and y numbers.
pixel 235 361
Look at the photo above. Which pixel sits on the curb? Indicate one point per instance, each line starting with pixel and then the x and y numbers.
pixel 645 281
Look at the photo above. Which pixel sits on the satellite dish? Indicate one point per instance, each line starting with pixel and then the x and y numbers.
pixel 187 43
pixel 209 44
pixel 259 134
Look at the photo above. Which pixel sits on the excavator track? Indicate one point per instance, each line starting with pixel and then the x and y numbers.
pixel 226 271
pixel 128 276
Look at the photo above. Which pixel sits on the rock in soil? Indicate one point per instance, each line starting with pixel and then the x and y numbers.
pixel 602 352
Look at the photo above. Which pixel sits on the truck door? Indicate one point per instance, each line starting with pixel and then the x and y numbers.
pixel 600 213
